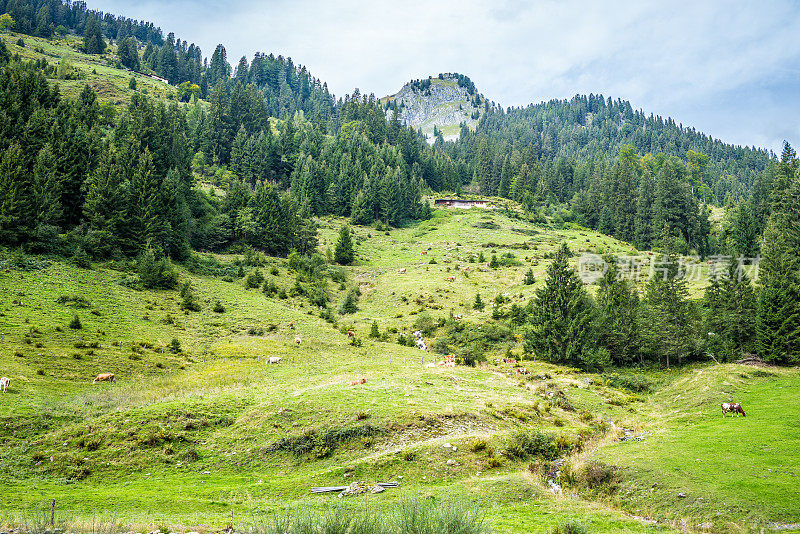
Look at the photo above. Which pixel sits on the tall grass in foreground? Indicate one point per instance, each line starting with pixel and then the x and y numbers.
pixel 419 516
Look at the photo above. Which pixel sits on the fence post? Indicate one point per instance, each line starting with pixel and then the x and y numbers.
pixel 53 513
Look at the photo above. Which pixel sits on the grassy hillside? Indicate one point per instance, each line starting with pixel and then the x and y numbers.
pixel 98 71
pixel 188 434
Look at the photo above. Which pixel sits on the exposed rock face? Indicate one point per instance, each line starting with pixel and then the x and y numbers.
pixel 443 103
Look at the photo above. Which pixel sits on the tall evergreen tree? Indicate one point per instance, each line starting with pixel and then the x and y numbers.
pixel 561 326
pixel 344 253
pixel 618 316
pixel 93 42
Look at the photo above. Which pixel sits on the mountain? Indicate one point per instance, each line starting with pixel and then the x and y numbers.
pixel 444 102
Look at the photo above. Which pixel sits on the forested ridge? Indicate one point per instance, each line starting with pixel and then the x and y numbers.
pixel 78 179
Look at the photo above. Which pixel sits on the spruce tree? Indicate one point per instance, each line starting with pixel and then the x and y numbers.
pixel 618 316
pixel 730 313
pixel 561 328
pixel 667 316
pixel 46 188
pixel 93 42
pixel 344 253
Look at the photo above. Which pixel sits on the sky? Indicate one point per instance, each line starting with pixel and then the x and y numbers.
pixel 727 68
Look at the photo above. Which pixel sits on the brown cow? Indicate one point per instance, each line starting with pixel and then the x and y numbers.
pixel 4 383
pixel 401 271
pixel 350 333
pixel 732 407
pixel 274 359
pixel 291 326
pixel 522 371
pixel 104 377
pixel 451 278
pixel 359 381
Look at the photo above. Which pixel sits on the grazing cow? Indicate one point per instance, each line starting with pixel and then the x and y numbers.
pixel 509 360
pixel 4 383
pixel 732 407
pixel 104 377
pixel 274 359
pixel 424 252
pixel 297 340
pixel 522 371
pixel 458 317
pixel 449 361
pixel 451 278
pixel 350 333
pixel 291 326
pixel 359 381
pixel 401 271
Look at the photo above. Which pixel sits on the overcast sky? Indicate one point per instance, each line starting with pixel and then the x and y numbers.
pixel 730 69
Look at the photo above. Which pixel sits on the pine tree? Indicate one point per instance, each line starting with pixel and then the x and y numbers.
pixel 46 188
pixel 93 42
pixel 15 207
pixel 667 315
pixel 344 253
pixel 561 328
pixel 730 313
pixel 617 317
pixel 530 279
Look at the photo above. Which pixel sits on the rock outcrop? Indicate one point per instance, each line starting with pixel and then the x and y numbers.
pixel 444 102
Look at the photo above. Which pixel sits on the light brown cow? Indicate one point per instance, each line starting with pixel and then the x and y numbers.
pixel 401 271
pixel 104 377
pixel 4 383
pixel 291 326
pixel 522 371
pixel 274 359
pixel 458 316
pixel 350 333
pixel 297 340
pixel 451 278
pixel 359 381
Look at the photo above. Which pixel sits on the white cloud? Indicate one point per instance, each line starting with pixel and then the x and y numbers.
pixel 700 62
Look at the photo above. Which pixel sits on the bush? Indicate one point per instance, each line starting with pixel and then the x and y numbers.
pixel 348 304
pixel 638 383
pixel 81 259
pixel 374 332
pixel 218 307
pixel 571 527
pixel 530 279
pixel 425 324
pixel 155 274
pixel 254 279
pixel 175 346
pixel 75 323
pixel 525 445
pixel 189 301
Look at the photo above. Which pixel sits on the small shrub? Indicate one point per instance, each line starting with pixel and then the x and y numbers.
pixel 478 445
pixel 637 383
pixel 218 307
pixel 75 323
pixel 571 527
pixel 525 445
pixel 175 346
pixel 493 461
pixel 40 372
pixel 374 332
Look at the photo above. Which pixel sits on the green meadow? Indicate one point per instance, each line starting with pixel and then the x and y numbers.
pixel 198 426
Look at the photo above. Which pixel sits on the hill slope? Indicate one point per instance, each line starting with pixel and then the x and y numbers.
pixel 193 431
